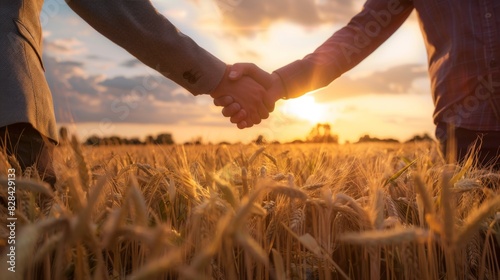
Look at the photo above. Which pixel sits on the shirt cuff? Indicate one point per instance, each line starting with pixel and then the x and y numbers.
pixel 296 78
pixel 213 74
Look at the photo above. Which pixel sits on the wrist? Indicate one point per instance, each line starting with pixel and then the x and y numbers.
pixel 216 91
pixel 279 88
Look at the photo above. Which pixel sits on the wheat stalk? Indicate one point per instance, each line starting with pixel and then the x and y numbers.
pixel 255 155
pixel 410 261
pixel 474 220
pixel 297 220
pixel 83 169
pixel 123 225
pixel 29 185
pixel 386 237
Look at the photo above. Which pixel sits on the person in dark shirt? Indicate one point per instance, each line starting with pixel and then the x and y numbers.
pixel 463 47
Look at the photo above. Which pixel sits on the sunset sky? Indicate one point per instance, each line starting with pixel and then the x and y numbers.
pixel 387 95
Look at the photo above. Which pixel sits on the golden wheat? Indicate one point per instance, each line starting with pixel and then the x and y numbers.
pixel 247 212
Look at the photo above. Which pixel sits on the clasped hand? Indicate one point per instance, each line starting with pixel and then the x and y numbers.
pixel 248 94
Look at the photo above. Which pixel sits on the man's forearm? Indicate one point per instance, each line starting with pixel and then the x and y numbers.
pixel 141 30
pixel 346 48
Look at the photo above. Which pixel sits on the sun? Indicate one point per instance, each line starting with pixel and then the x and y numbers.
pixel 305 108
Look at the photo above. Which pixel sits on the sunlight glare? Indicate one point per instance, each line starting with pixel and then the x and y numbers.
pixel 305 108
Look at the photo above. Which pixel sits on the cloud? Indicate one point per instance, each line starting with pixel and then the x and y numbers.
pixel 249 54
pixel 139 99
pixel 96 57
pixel 86 86
pixel 395 80
pixel 46 33
pixel 64 46
pixel 120 83
pixel 246 15
pixel 174 13
pixel 155 87
pixel 131 63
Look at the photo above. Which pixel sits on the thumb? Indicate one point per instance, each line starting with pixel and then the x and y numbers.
pixel 253 71
pixel 236 71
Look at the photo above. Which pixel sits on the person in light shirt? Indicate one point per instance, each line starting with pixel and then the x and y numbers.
pixel 27 122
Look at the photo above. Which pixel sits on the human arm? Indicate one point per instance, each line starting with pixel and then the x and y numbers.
pixel 346 48
pixel 141 30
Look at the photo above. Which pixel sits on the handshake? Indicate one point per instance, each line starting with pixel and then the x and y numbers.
pixel 248 94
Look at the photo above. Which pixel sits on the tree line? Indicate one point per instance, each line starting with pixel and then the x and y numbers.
pixel 320 133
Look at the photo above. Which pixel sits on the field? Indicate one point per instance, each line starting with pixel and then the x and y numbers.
pixel 370 211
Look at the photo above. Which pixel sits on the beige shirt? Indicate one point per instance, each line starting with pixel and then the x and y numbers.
pixel 134 25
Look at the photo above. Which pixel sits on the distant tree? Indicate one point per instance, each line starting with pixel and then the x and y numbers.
pixel 115 140
pixel 418 138
pixel 260 140
pixel 135 141
pixel 322 133
pixel 150 140
pixel 93 140
pixel 164 139
pixel 297 141
pixel 367 139
pixel 198 140
pixel 195 141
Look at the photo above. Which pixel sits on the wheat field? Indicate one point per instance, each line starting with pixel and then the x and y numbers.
pixel 310 211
